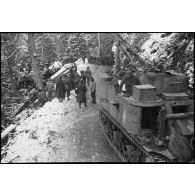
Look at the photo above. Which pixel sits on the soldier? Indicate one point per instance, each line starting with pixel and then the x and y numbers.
pixel 129 80
pixel 88 74
pixel 82 93
pixel 83 77
pixel 67 86
pixel 71 79
pixel 50 89
pixel 93 91
pixel 115 83
pixel 41 97
pixel 60 89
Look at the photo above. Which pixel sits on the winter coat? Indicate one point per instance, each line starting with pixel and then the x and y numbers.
pixel 82 94
pixel 41 96
pixel 71 79
pixel 60 89
pixel 71 76
pixel 88 73
pixel 83 77
pixel 67 83
pixel 76 79
pixel 129 82
pixel 93 87
pixel 49 86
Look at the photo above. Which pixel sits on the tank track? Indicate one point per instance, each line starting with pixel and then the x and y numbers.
pixel 139 151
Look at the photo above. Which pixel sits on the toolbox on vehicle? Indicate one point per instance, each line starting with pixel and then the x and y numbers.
pixel 144 92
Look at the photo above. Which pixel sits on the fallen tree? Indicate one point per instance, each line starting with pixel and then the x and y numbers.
pixel 7 131
pixel 32 97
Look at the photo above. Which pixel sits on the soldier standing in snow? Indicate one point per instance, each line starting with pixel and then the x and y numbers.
pixel 82 93
pixel 67 86
pixel 60 89
pixel 50 89
pixel 88 74
pixel 71 79
pixel 41 97
pixel 83 77
pixel 93 91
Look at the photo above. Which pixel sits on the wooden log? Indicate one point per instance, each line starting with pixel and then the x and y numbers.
pixel 116 65
pixel 25 104
pixel 6 132
pixel 180 115
pixel 19 109
pixel 128 48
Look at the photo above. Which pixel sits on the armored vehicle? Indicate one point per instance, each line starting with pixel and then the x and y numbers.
pixel 154 124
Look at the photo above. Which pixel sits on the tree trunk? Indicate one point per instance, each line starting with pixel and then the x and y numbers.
pixel 58 51
pixel 44 57
pixel 99 43
pixel 58 47
pixel 32 50
pixel 12 50
pixel 116 66
pixel 6 132
pixel 128 50
pixel 10 73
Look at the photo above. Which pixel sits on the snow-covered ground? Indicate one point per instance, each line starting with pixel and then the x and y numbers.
pixel 61 132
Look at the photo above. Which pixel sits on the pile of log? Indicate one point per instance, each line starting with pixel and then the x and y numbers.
pixel 11 128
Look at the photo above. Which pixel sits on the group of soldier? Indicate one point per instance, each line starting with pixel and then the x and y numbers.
pixel 68 82
pixel 85 78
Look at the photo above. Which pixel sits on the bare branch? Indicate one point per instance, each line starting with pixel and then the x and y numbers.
pixel 15 40
pixel 25 40
pixel 11 54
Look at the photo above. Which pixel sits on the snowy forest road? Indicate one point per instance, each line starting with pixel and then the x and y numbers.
pixel 61 132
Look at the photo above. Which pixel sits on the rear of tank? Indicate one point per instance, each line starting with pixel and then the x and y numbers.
pixel 118 107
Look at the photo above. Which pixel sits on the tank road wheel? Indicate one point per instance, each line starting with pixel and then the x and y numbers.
pixel 121 142
pixel 149 159
pixel 136 156
pixel 133 154
pixel 100 115
pixel 124 146
pixel 118 140
pixel 124 149
pixel 115 138
pixel 110 133
pixel 102 118
pixel 108 127
pixel 130 152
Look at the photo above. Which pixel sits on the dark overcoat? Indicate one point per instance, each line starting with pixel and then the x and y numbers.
pixel 82 94
pixel 60 89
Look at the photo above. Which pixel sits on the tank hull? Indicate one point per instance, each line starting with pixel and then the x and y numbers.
pixel 127 146
pixel 160 130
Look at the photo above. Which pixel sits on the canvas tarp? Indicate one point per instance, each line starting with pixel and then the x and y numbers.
pixel 62 71
pixel 55 65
